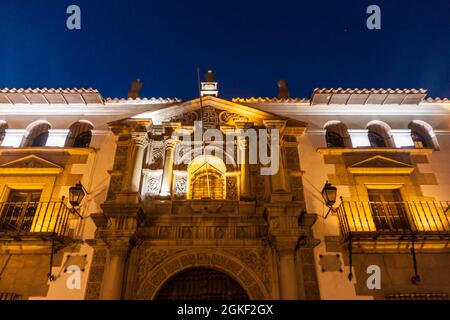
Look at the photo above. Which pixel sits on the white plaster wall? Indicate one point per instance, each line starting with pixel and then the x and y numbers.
pixel 335 285
pixel 95 179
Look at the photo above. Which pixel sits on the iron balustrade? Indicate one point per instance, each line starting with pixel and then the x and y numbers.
pixel 401 218
pixel 10 296
pixel 35 217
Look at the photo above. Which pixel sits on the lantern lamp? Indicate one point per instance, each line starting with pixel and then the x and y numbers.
pixel 329 194
pixel 76 194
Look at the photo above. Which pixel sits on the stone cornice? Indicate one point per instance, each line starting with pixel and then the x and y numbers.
pixel 341 151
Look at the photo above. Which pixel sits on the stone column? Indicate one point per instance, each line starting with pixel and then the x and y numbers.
pixel 245 168
pixel 140 142
pixel 166 186
pixel 113 279
pixel 279 181
pixel 287 271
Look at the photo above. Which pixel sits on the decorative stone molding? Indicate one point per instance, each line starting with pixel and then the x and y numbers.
pixel 186 118
pixel 157 267
pixel 229 118
pixel 232 188
pixel 151 185
pixel 140 139
pixel 96 272
pixel 180 184
pixel 156 155
pixel 258 260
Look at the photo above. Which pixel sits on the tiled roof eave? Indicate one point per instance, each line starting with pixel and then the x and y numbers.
pixel 142 100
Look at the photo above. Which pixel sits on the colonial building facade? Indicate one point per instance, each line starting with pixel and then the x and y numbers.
pixel 358 208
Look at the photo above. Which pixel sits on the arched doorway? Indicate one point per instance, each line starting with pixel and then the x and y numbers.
pixel 202 284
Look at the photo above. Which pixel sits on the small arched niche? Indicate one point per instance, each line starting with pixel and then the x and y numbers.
pixel 3 127
pixel 423 135
pixel 36 134
pixel 337 135
pixel 80 134
pixel 380 135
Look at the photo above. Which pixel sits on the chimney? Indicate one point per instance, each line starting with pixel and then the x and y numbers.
pixel 135 90
pixel 283 89
pixel 209 87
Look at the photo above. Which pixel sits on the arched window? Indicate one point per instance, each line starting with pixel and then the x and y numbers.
pixel 337 135
pixel 379 134
pixel 40 140
pixel 207 178
pixel 376 140
pixel 207 185
pixel 423 135
pixel 419 141
pixel 83 140
pixel 334 140
pixel 3 127
pixel 37 134
pixel 80 134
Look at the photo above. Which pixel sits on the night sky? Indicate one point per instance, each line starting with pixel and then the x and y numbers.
pixel 249 44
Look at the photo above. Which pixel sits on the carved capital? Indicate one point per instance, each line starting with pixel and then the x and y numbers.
pixel 275 124
pixel 169 128
pixel 242 143
pixel 140 139
pixel 285 246
pixel 119 248
pixel 171 143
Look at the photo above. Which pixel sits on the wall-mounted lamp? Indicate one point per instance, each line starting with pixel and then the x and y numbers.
pixel 76 195
pixel 329 194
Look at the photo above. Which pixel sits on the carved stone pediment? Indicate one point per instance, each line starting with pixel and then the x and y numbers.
pixel 30 164
pixel 187 118
pixel 215 110
pixel 380 164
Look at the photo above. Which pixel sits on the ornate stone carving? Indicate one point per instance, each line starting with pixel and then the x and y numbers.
pixel 210 117
pixel 164 232
pixel 182 149
pixel 96 275
pixel 148 259
pixel 186 118
pixel 120 160
pixel 229 118
pixel 241 232
pixel 186 233
pixel 156 157
pixel 180 186
pixel 258 261
pixel 292 159
pixel 115 186
pixel 232 188
pixel 296 188
pixel 152 183
pixel 156 267
pixel 219 233
pixel 260 188
pixel 31 163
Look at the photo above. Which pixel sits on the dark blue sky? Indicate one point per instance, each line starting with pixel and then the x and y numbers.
pixel 249 44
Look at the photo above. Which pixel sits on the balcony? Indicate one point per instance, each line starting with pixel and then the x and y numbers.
pixel 419 220
pixel 41 219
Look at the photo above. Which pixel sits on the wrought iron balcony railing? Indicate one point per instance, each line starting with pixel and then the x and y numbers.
pixel 394 219
pixel 35 217
pixel 10 296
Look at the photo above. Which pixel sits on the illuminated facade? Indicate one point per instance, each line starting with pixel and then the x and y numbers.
pixel 213 227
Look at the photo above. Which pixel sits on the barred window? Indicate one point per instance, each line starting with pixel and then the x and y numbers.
pixel 207 178
pixel 417 296
pixel 208 186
